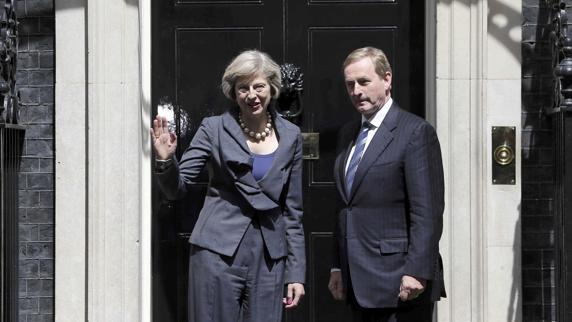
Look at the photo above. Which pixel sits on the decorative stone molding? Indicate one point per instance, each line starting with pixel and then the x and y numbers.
pixel 71 161
pixel 114 161
pixel 478 86
pixel 102 171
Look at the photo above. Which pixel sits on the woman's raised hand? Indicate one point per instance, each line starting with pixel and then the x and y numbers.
pixel 164 142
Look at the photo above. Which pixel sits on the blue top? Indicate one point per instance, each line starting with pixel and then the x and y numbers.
pixel 261 164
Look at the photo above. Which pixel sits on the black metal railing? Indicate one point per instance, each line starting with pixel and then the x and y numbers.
pixel 11 140
pixel 11 145
pixel 561 113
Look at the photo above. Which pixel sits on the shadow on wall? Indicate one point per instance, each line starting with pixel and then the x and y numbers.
pixel 504 23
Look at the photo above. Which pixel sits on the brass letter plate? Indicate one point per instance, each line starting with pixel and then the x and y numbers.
pixel 503 154
pixel 311 146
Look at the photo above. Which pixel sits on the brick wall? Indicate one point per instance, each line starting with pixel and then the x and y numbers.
pixel 35 78
pixel 538 257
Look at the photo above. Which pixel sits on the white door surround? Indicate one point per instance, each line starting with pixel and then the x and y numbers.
pixel 478 87
pixel 103 179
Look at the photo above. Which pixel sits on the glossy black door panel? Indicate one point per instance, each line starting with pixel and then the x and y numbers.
pixel 197 63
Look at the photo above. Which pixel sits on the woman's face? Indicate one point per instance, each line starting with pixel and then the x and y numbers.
pixel 253 95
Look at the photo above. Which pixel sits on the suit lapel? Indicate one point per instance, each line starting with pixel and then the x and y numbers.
pixel 339 174
pixel 378 144
pixel 274 178
pixel 232 128
pixel 239 160
pixel 236 157
pixel 342 159
pixel 285 145
pixel 285 152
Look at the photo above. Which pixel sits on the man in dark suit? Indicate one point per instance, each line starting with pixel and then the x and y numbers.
pixel 389 175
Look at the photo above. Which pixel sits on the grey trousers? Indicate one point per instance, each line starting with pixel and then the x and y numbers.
pixel 247 287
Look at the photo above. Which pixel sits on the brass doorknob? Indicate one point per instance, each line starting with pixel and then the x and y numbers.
pixel 503 155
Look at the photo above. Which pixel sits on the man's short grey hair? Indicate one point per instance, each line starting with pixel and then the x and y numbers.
pixel 376 55
pixel 251 63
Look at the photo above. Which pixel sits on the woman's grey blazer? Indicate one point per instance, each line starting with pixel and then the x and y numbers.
pixel 234 196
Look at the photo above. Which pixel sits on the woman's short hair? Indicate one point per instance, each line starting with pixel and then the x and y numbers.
pixel 250 63
pixel 377 56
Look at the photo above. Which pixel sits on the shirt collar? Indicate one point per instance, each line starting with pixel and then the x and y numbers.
pixel 379 115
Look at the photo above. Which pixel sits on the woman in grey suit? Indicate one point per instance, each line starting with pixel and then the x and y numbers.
pixel 248 241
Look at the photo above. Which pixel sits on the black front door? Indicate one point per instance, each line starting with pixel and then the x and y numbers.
pixel 193 41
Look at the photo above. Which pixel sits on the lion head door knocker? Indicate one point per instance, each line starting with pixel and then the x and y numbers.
pixel 290 100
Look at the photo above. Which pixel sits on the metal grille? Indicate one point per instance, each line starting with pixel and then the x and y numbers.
pixel 561 112
pixel 11 141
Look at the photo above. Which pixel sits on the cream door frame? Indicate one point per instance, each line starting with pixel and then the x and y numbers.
pixel 103 184
pixel 70 167
pixel 478 86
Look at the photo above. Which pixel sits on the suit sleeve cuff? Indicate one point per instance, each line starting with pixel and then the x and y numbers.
pixel 162 165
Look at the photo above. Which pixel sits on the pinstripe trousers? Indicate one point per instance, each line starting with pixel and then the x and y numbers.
pixel 247 287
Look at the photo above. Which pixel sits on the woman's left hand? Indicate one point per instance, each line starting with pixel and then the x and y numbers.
pixel 294 294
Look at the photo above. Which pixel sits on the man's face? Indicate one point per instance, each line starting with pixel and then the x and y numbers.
pixel 367 90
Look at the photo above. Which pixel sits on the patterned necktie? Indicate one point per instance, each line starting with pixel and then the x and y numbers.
pixel 356 157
